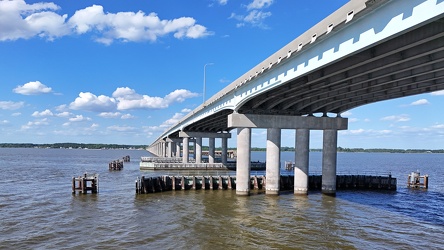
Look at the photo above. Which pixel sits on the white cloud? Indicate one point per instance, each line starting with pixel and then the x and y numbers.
pixel 259 4
pixel 353 119
pixel 32 88
pixel 438 126
pixel 37 123
pixel 16 114
pixel 420 102
pixel 91 102
pixel 357 131
pixel 62 108
pixel 223 2
pixel 64 114
pixel 186 110
pixel 125 98
pixel 109 114
pixel 43 113
pixel 254 18
pixel 366 132
pixel 396 118
pixel 79 118
pixel 128 99
pixel 121 128
pixel 4 122
pixel 132 26
pixel 19 20
pixel 8 105
pixel 173 120
pixel 440 92
pixel 127 116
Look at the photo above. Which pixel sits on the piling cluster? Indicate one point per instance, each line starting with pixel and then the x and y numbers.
pixel 118 164
pixel 85 183
pixel 415 180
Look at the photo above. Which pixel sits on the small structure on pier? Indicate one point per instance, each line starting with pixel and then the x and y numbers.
pixel 415 180
pixel 85 183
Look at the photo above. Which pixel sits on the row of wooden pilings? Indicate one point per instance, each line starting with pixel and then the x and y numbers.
pixel 118 164
pixel 163 183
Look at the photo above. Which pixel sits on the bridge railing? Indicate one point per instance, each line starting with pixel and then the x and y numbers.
pixel 172 165
pixel 161 159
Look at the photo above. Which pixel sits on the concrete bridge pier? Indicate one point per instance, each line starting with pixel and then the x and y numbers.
pixel 178 149
pixel 185 151
pixel 169 148
pixel 329 157
pixel 198 150
pixel 224 150
pixel 211 139
pixel 211 146
pixel 274 124
pixel 243 161
pixel 273 161
pixel 301 161
pixel 162 149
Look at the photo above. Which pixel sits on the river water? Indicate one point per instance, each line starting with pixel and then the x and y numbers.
pixel 38 211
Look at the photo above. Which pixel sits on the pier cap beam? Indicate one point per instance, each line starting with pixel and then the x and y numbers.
pixel 286 122
pixel 204 134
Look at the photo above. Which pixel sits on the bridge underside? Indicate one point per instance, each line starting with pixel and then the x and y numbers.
pixel 410 64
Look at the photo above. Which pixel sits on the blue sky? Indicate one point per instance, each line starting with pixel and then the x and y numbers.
pixel 113 71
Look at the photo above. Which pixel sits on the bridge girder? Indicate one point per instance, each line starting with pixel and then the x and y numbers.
pixel 386 70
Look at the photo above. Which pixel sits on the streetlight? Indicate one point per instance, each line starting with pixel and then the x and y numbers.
pixel 204 82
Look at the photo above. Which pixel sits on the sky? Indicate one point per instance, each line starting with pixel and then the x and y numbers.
pixel 122 72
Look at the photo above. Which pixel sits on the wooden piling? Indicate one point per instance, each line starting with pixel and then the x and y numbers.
pixel 85 183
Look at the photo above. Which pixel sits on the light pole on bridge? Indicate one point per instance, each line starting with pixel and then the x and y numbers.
pixel 204 81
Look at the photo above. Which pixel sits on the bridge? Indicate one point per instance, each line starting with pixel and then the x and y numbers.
pixel 365 52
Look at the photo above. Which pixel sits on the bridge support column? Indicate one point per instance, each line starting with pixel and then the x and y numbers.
pixel 194 150
pixel 224 150
pixel 185 150
pixel 211 146
pixel 273 160
pixel 162 149
pixel 169 149
pixel 329 151
pixel 243 161
pixel 173 149
pixel 178 149
pixel 198 149
pixel 301 162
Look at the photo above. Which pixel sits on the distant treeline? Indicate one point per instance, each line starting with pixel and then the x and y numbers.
pixel 71 145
